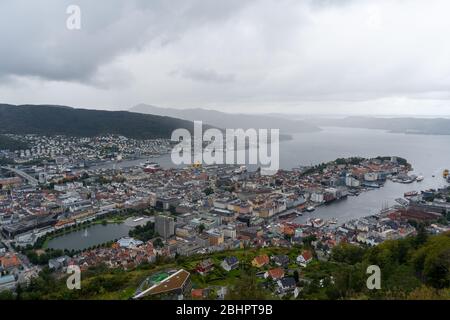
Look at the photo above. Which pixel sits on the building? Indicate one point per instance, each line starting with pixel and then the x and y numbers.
pixel 2 248
pixel 128 242
pixel 205 267
pixel 58 263
pixel 10 261
pixel 260 261
pixel 7 283
pixel 281 260
pixel 305 258
pixel 230 263
pixel 274 274
pixel 165 226
pixel 286 284
pixel 176 286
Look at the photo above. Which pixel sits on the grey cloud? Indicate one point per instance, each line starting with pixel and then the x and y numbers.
pixel 226 53
pixel 36 43
pixel 205 75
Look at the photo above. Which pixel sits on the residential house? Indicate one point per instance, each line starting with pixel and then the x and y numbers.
pixel 274 274
pixel 281 260
pixel 286 284
pixel 260 261
pixel 305 258
pixel 205 267
pixel 230 263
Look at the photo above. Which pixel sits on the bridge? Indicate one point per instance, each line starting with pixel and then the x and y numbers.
pixel 23 175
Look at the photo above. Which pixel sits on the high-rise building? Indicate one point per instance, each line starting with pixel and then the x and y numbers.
pixel 165 226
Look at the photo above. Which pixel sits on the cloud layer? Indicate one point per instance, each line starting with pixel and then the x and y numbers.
pixel 276 56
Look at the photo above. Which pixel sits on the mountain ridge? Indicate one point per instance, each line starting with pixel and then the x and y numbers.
pixel 230 120
pixel 64 120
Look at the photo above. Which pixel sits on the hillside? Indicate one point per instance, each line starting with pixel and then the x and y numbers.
pixel 7 143
pixel 231 121
pixel 412 268
pixel 60 120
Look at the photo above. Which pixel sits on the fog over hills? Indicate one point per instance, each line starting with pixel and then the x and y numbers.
pixel 231 121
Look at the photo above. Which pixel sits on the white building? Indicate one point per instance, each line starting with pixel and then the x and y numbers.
pixel 128 242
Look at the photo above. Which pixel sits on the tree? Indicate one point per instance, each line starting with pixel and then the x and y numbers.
pixel 422 235
pixel 296 276
pixel 6 295
pixel 347 253
pixel 247 288
pixel 208 191
pixel 158 243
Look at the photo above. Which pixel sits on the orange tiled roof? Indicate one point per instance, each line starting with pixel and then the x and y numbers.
pixel 9 261
pixel 261 260
pixel 276 273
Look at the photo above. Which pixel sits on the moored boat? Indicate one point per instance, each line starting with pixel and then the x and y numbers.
pixel 411 194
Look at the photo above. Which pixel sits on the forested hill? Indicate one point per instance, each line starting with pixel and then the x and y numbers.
pixel 7 143
pixel 60 120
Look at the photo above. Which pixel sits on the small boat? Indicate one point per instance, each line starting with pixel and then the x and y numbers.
pixel 317 223
pixel 333 221
pixel 446 173
pixel 420 178
pixel 310 209
pixel 411 194
pixel 299 214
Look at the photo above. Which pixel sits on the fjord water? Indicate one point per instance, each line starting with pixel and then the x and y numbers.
pixel 428 154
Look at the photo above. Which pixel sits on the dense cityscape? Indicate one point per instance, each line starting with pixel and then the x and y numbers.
pixel 55 189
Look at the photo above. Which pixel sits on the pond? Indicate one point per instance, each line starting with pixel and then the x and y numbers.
pixel 91 236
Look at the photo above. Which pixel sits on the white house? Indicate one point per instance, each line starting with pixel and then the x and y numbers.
pixel 305 258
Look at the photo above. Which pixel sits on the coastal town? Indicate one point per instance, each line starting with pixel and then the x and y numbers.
pixel 192 211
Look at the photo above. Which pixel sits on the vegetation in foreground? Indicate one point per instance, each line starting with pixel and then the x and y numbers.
pixel 412 268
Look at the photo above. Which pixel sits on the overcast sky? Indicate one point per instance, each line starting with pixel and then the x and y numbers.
pixel 311 56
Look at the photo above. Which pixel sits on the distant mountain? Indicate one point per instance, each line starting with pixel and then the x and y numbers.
pixel 62 120
pixel 438 126
pixel 232 121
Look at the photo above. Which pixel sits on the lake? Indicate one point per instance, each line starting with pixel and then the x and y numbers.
pixel 92 236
